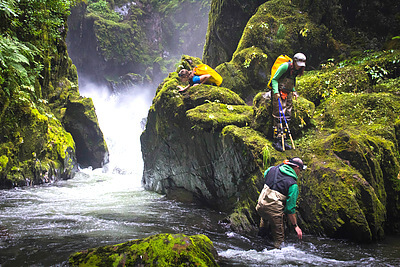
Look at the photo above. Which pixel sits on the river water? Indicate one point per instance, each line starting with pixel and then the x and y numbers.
pixel 43 225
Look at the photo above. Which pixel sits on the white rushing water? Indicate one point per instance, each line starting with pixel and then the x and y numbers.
pixel 43 225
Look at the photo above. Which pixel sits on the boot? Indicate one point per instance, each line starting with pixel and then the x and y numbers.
pixel 287 146
pixel 278 145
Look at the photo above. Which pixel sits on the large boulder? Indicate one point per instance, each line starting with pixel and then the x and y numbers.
pixel 226 22
pixel 157 250
pixel 345 125
pixel 79 118
pixel 199 146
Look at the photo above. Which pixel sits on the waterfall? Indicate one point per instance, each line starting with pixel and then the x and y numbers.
pixel 121 117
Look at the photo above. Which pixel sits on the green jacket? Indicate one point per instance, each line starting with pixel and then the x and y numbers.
pixel 290 207
pixel 281 72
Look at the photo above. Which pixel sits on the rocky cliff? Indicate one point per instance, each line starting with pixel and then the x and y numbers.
pixel 134 42
pixel 47 128
pixel 207 145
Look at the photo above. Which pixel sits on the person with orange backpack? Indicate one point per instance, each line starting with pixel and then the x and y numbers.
pixel 282 83
pixel 201 74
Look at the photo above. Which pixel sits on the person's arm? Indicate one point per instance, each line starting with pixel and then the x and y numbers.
pixel 293 220
pixel 295 94
pixel 290 208
pixel 183 88
pixel 278 74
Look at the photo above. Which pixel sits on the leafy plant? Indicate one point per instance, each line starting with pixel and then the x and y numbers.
pixel 102 9
pixel 280 34
pixel 17 63
pixel 377 73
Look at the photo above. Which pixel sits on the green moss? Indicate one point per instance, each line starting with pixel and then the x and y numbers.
pixel 160 250
pixel 201 94
pixel 362 110
pixel 279 27
pixel 215 116
pixel 59 141
pixel 3 162
pixel 245 74
pixel 373 72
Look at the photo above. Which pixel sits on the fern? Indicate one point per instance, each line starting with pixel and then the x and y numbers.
pixel 18 65
pixel 7 8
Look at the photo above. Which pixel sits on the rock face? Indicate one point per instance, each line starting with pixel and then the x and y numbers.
pixel 157 250
pixel 81 121
pixel 201 146
pixel 110 39
pixel 227 20
pixel 41 100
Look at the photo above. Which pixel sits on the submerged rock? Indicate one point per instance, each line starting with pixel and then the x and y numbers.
pixel 157 250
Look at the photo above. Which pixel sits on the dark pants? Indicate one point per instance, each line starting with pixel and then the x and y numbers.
pixel 287 105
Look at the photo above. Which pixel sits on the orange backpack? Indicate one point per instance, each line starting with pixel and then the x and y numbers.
pixel 279 61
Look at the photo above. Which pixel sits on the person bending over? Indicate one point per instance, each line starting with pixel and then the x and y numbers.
pixel 279 197
pixel 188 76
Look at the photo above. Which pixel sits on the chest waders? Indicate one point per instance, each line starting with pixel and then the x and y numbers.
pixel 270 207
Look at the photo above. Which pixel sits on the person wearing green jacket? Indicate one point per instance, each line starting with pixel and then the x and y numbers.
pixel 283 85
pixel 279 197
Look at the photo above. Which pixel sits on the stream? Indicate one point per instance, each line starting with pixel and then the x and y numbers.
pixel 43 225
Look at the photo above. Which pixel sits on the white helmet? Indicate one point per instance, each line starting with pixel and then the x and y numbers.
pixel 300 59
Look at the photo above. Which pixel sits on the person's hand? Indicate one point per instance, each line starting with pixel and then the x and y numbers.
pixel 296 95
pixel 299 232
pixel 277 96
pixel 181 88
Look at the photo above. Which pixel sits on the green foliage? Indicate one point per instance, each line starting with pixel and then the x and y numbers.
pixel 7 8
pixel 266 156
pixel 102 9
pixel 281 32
pixel 18 65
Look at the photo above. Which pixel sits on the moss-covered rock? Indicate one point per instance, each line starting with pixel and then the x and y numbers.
pixel 38 78
pixel 80 120
pixel 279 27
pixel 246 73
pixel 226 22
pixel 362 25
pixel 370 72
pixel 345 125
pixel 157 250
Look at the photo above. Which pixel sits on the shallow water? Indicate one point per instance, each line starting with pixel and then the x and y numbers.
pixel 43 225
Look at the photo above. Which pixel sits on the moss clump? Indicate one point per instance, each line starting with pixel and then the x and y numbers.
pixel 370 72
pixel 363 110
pixel 245 74
pixel 215 116
pixel 160 250
pixel 206 93
pixel 279 27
